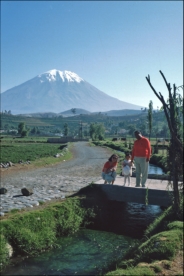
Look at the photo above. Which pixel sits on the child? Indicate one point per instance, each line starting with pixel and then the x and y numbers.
pixel 127 168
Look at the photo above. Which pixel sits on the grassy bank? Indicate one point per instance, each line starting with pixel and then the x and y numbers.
pixel 151 255
pixel 32 232
pixel 154 254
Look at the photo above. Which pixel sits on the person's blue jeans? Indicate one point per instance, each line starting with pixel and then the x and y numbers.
pixel 109 177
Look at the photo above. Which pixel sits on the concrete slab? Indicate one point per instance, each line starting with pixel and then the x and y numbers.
pixel 154 184
pixel 156 192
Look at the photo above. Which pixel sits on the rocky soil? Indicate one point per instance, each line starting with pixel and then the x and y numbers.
pixel 54 181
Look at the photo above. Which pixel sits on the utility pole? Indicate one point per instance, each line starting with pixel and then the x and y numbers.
pixel 80 130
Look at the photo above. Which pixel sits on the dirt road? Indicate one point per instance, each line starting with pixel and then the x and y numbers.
pixel 84 168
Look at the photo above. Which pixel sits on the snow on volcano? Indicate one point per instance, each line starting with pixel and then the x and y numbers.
pixel 57 91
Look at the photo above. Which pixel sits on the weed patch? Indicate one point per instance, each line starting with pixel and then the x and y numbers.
pixel 136 271
pixel 34 231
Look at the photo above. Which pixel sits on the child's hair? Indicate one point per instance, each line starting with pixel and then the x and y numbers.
pixel 127 154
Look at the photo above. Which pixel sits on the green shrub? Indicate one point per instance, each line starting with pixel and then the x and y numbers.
pixel 175 225
pixel 3 251
pixel 160 161
pixel 31 232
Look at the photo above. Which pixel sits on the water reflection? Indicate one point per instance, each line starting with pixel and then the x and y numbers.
pixel 129 219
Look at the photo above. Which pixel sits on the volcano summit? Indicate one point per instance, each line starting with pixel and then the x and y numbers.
pixel 57 91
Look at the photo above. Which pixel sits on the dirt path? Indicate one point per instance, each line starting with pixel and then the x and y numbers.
pixel 84 168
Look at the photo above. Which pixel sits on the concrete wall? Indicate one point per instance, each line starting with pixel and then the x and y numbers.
pixel 138 195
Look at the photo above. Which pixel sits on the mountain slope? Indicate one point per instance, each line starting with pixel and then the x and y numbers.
pixel 57 91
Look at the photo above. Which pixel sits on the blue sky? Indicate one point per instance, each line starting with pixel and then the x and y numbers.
pixel 112 45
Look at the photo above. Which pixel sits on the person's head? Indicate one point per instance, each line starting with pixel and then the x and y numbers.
pixel 113 158
pixel 127 155
pixel 137 134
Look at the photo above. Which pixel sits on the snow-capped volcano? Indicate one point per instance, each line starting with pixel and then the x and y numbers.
pixel 57 91
pixel 55 75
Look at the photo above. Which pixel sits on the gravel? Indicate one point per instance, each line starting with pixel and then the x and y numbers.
pixel 56 181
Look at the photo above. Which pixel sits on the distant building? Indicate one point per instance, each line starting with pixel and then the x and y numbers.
pixel 122 131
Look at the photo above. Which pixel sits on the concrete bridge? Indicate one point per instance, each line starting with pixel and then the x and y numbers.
pixel 157 192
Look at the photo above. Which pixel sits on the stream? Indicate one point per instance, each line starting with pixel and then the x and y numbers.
pixel 155 170
pixel 92 251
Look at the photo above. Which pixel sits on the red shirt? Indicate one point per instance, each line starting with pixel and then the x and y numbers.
pixel 109 165
pixel 141 148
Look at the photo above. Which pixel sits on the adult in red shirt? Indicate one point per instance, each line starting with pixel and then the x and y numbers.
pixel 141 155
pixel 109 169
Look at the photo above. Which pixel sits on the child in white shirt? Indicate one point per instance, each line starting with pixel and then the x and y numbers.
pixel 127 168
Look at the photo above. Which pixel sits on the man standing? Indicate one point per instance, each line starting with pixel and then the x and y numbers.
pixel 141 155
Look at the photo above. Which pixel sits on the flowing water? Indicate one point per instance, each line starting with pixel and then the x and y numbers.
pixel 92 251
pixel 87 252
pixel 155 170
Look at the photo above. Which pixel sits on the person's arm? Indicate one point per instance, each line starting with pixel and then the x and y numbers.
pixel 148 146
pixel 106 168
pixel 123 164
pixel 115 167
pixel 133 152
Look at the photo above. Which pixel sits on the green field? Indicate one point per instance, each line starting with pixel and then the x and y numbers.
pixel 28 149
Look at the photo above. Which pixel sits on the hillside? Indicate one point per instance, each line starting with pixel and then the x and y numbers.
pixel 55 124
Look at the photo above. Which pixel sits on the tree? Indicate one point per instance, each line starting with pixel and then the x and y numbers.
pixel 150 117
pixel 172 109
pixel 21 127
pixel 100 131
pixel 65 130
pixel 22 130
pixel 96 131
pixel 6 126
pixel 35 130
pixel 92 131
pixel 131 129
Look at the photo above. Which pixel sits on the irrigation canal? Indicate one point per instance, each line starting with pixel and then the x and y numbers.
pixel 92 251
